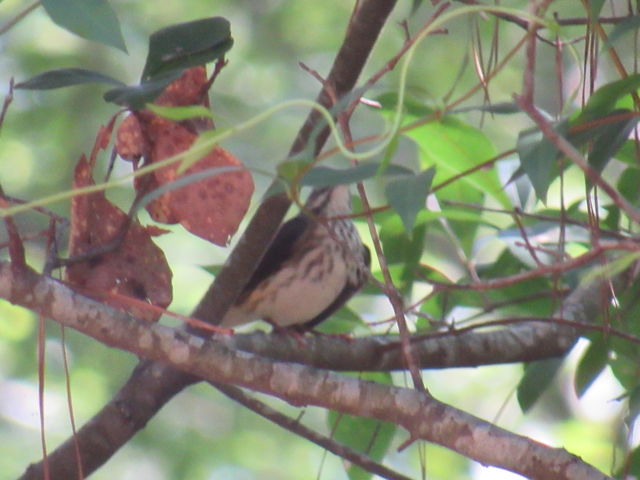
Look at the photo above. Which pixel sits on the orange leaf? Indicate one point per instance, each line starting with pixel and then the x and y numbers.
pixel 130 143
pixel 211 208
pixel 189 89
pixel 136 267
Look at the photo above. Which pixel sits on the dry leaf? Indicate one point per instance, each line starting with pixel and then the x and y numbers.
pixel 211 208
pixel 136 268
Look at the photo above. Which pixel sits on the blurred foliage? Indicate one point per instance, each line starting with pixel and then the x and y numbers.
pixel 201 435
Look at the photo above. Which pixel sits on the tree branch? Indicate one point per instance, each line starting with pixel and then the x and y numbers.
pixel 420 414
pixel 294 426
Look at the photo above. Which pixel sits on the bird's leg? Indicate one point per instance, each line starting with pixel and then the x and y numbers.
pixel 295 331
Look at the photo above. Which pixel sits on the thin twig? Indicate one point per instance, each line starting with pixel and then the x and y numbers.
pixel 552 268
pixel 72 417
pixel 534 216
pixel 393 61
pixel 515 321
pixel 295 427
pixel 615 58
pixel 7 101
pixel 525 237
pixel 390 289
pixel 570 152
pixel 14 21
pixel 16 247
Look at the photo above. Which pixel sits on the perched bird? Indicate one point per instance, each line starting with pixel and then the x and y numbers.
pixel 312 267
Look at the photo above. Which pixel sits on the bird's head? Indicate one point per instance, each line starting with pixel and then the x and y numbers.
pixel 329 201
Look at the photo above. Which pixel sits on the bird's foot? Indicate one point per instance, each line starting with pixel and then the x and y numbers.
pixel 296 332
pixel 342 336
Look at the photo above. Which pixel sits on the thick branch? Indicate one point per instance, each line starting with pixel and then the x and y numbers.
pixel 421 415
pixel 524 342
pixel 519 343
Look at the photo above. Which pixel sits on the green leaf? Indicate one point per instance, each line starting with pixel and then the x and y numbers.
pixel 403 248
pixel 178 114
pixel 326 176
pixel 628 185
pixel 502 108
pixel 65 77
pixel 604 99
pixel 344 321
pixel 515 299
pixel 364 435
pixel 539 158
pixel 136 97
pixel 625 366
pixel 633 406
pixel 611 268
pixel 453 146
pixel 212 269
pixel 595 6
pixel 535 381
pixel 186 45
pixel 593 362
pixel 398 245
pixel 543 233
pixel 610 139
pixel 91 19
pixel 407 195
pixel 612 220
pixel 415 5
pixel 290 170
pixel 389 152
pixel 628 153
pixel 620 29
pixel 631 466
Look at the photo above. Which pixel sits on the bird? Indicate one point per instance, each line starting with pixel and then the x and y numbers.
pixel 314 265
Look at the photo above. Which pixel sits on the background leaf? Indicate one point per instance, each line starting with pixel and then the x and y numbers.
pixel 455 147
pixel 65 77
pixel 610 139
pixel 628 184
pixel 539 158
pixel 604 99
pixel 451 145
pixel 500 108
pixel 344 321
pixel 403 248
pixel 535 381
pixel 137 96
pixel 91 19
pixel 407 195
pixel 593 362
pixel 595 6
pixel 627 25
pixel 186 45
pixel 364 435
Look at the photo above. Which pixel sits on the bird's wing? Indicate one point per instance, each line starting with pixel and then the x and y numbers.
pixel 278 252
